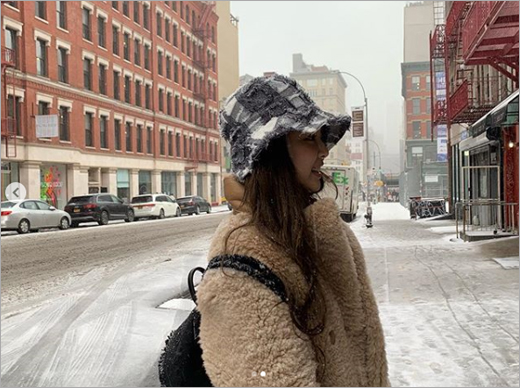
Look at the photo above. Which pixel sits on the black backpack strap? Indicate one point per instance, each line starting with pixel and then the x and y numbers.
pixel 253 268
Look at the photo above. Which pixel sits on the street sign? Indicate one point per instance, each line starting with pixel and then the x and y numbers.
pixel 358 123
pixel 357 130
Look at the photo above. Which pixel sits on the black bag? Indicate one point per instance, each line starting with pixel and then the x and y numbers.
pixel 180 364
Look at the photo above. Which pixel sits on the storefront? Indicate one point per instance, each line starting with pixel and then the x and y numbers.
pixel 200 185
pixel 187 183
pixel 123 185
pixel 169 183
pixel 145 182
pixel 213 190
pixel 53 185
pixel 10 174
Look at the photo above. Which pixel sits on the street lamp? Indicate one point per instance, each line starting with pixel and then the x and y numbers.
pixel 366 134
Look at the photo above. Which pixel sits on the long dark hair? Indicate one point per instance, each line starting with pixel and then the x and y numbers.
pixel 277 200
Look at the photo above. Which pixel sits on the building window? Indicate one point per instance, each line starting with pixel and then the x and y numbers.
pixel 117 135
pixel 128 136
pixel 138 93
pixel 43 108
pixel 101 32
pixel 148 97
pixel 149 140
pixel 416 106
pixel 146 17
pixel 178 145
pixel 115 40
pixel 189 79
pixel 14 111
pixel 185 148
pixel 102 79
pixel 89 141
pixel 168 68
pixel 428 82
pixel 117 86
pixel 175 36
pixel 115 5
pixel 41 9
pixel 214 63
pixel 213 34
pixel 169 104
pixel 159 24
pixel 147 57
pixel 128 82
pixel 176 71
pixel 429 105
pixel 190 114
pixel 160 62
pixel 62 65
pixel 13 4
pixel 103 136
pixel 136 11
pixel 187 14
pixel 126 8
pixel 11 42
pixel 416 129
pixel 188 46
pixel 170 143
pixel 61 11
pixel 183 76
pixel 416 82
pixel 86 24
pixel 139 138
pixel 182 11
pixel 167 29
pixel 429 129
pixel 182 41
pixel 64 123
pixel 137 52
pixel 87 73
pixel 161 100
pixel 176 108
pixel 174 6
pixel 126 46
pixel 41 57
pixel 184 112
pixel 161 142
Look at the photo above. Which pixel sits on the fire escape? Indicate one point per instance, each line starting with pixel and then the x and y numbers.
pixel 475 33
pixel 9 113
pixel 200 92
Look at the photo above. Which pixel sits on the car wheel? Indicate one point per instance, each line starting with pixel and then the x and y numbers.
pixel 178 213
pixel 103 220
pixel 197 211
pixel 74 224
pixel 161 214
pixel 24 226
pixel 209 209
pixel 64 223
pixel 130 216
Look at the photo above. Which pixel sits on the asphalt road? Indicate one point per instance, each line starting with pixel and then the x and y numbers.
pixel 36 266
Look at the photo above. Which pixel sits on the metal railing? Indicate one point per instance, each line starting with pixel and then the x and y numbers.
pixel 486 216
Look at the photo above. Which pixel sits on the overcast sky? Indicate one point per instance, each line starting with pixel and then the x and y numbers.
pixel 361 37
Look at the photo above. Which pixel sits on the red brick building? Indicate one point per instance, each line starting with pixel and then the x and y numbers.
pixel 134 85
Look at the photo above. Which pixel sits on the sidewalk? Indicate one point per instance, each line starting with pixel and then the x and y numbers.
pixel 449 311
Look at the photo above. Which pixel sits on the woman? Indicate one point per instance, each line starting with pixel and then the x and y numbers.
pixel 328 333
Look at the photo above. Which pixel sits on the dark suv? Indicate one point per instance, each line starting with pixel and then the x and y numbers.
pixel 99 208
pixel 193 205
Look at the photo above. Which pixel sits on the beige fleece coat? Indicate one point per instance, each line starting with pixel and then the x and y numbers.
pixel 247 336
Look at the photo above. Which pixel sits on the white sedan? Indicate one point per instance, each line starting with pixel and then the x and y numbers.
pixel 155 206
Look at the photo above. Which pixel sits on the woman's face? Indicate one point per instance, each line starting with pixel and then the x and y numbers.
pixel 307 152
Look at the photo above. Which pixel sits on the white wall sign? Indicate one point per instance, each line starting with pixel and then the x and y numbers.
pixel 47 126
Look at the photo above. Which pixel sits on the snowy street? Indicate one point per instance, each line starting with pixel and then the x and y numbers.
pixel 79 308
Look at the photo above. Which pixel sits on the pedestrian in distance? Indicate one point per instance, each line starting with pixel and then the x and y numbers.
pixel 311 318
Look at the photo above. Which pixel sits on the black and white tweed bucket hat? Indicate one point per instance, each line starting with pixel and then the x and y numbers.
pixel 269 107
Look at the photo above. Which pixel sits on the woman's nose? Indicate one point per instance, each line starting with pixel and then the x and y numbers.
pixel 323 150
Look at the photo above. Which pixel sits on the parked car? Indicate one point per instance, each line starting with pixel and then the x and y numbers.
pixel 194 205
pixel 31 215
pixel 99 208
pixel 155 206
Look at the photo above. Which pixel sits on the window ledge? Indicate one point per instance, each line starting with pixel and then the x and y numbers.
pixel 65 142
pixel 13 8
pixel 119 151
pixel 103 48
pixel 41 20
pixel 90 147
pixel 105 149
pixel 45 140
pixel 62 29
pixel 88 41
